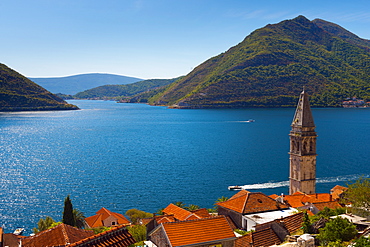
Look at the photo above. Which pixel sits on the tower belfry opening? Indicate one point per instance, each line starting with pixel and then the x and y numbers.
pixel 302 175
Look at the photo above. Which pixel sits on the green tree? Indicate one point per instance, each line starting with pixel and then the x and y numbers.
pixel 43 224
pixel 337 243
pixel 160 211
pixel 306 223
pixel 180 204
pixel 192 207
pixel 362 242
pixel 222 199
pixel 358 194
pixel 337 229
pixel 138 232
pixel 68 217
pixel 99 229
pixel 135 215
pixel 79 218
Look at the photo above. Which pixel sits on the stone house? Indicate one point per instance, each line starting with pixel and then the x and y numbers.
pixel 106 218
pixel 245 209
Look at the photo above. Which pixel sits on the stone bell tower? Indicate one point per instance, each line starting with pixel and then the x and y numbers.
pixel 302 149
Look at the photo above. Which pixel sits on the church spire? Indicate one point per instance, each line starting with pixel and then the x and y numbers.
pixel 302 149
pixel 303 115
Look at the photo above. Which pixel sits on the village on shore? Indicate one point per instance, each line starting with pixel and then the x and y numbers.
pixel 246 219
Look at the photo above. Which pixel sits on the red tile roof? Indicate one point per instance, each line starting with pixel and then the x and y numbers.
pixel 183 214
pixel 197 231
pixel 292 222
pixel 337 190
pixel 97 219
pixel 117 236
pixel 202 213
pixel 245 202
pixel 300 199
pixel 261 238
pixel 332 205
pixel 165 219
pixel 264 235
pixel 60 235
pixel 240 193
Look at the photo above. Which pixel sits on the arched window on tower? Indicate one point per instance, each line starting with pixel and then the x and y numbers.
pixel 311 146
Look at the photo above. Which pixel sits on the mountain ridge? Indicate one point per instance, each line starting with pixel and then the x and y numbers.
pixel 270 67
pixel 17 93
pixel 77 83
pixel 119 92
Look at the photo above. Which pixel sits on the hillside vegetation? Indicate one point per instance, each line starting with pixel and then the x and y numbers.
pixel 120 92
pixel 270 67
pixel 17 93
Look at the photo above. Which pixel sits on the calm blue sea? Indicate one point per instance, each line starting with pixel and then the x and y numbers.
pixel 123 156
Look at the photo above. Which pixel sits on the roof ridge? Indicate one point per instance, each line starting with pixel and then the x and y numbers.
pixel 116 228
pixel 245 202
pixel 182 221
pixel 64 232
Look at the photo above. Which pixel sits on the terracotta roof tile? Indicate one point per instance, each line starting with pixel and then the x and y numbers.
pixel 337 190
pixel 265 237
pixel 59 235
pixel 179 213
pixel 117 236
pixel 293 222
pixel 251 202
pixel 300 199
pixel 244 241
pixel 198 231
pixel 97 219
pixel 202 213
pixel 273 196
pixel 94 221
pixel 165 219
pixel 240 193
pixel 332 205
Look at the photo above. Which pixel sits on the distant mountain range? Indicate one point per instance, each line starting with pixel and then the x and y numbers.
pixel 270 67
pixel 78 83
pixel 17 93
pixel 121 92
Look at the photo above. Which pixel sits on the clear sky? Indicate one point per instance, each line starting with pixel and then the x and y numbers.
pixel 146 38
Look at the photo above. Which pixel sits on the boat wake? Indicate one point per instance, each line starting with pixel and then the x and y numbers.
pixel 271 185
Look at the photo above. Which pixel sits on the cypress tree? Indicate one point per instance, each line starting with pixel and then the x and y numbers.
pixel 68 216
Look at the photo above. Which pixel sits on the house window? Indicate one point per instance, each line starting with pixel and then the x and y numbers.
pixel 113 223
pixel 216 245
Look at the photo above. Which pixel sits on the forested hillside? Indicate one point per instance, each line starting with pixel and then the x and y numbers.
pixel 119 92
pixel 270 67
pixel 17 93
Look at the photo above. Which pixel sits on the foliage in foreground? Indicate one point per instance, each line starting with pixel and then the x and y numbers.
pixel 358 195
pixel 135 215
pixel 68 217
pixel 337 229
pixel 43 224
pixel 138 232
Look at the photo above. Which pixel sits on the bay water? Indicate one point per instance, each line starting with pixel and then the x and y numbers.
pixel 124 156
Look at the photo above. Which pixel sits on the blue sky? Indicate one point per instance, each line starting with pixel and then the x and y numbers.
pixel 146 38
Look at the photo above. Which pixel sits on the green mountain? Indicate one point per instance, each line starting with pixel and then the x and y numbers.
pixel 78 83
pixel 123 91
pixel 17 93
pixel 270 67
